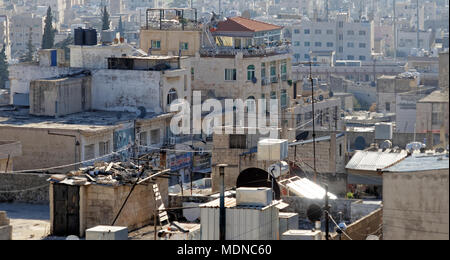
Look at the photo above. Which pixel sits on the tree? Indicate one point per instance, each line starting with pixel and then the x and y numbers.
pixel 28 56
pixel 4 73
pixel 120 28
pixel 48 38
pixel 105 19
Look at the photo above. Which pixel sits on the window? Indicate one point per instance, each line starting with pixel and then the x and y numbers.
pixel 155 137
pixel 341 49
pixel 362 45
pixel 341 37
pixel 184 46
pixel 318 44
pixel 306 56
pixel 436 114
pixel 318 31
pixel 341 24
pixel 340 150
pixel 283 98
pixel 329 44
pixel 388 106
pixel 143 138
pixel 171 96
pixel 350 44
pixel 362 33
pixel 307 44
pixel 296 43
pixel 273 95
pixel 296 31
pixel 103 148
pixel 238 142
pixel 283 70
pixel 192 73
pixel 350 32
pixel 362 57
pixel 350 57
pixel 306 31
pixel 230 74
pixel 89 152
pixel 251 104
pixel 263 71
pixel 156 45
pixel 250 72
pixel 329 31
pixel 273 72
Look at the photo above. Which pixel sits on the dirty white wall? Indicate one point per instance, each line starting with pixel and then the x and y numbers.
pixel 126 90
pixel 95 57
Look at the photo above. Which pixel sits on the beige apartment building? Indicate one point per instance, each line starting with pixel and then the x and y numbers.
pixel 19 30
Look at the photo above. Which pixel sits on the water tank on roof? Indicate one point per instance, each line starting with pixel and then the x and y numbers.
pixel 90 37
pixel 79 36
pixel 108 36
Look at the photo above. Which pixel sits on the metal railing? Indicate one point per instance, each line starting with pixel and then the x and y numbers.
pixel 256 51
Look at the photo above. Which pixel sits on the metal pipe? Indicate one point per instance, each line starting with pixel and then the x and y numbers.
pixel 222 220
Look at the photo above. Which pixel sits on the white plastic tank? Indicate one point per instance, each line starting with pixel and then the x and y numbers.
pixel 272 149
pixel 383 131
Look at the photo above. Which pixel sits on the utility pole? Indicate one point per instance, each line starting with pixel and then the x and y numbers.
pixel 313 120
pixel 395 32
pixel 222 214
pixel 327 229
pixel 417 24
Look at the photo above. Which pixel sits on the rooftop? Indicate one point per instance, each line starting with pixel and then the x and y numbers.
pixel 84 121
pixel 241 24
pixel 375 160
pixel 436 96
pixel 421 162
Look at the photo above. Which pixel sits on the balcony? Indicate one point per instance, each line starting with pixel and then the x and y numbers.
pixel 249 52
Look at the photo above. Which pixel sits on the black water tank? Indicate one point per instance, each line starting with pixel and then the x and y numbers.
pixel 90 37
pixel 79 36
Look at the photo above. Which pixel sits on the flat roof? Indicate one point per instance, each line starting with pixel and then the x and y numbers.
pixel 416 163
pixel 84 121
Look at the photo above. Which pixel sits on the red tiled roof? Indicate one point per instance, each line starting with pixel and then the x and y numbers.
pixel 241 24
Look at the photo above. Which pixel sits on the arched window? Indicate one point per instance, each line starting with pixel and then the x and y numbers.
pixel 171 96
pixel 251 104
pixel 250 72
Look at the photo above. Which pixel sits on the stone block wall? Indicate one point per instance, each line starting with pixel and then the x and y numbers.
pixel 24 187
pixel 369 225
pixel 5 227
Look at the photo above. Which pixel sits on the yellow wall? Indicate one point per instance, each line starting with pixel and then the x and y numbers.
pixel 170 41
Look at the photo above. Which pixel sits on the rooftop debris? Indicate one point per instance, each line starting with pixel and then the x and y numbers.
pixel 114 173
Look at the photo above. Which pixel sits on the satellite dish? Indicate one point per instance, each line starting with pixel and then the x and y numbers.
pixel 142 112
pixel 254 80
pixel 386 144
pixel 314 213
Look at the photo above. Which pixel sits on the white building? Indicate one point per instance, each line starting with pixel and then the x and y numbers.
pixel 350 40
pixel 407 41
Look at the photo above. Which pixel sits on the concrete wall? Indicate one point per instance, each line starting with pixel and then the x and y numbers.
pixel 416 205
pixel 95 57
pixel 60 97
pixel 20 75
pixel 24 188
pixel 121 90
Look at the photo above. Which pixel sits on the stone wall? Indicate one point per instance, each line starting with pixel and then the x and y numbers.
pixel 99 205
pixel 359 230
pixel 24 187
pixel 5 227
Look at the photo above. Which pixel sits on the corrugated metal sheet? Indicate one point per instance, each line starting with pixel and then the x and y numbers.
pixel 303 187
pixel 242 223
pixel 371 161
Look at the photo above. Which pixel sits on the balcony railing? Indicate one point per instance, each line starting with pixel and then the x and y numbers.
pixel 249 52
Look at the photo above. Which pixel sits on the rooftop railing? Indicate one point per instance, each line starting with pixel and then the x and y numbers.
pixel 247 52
